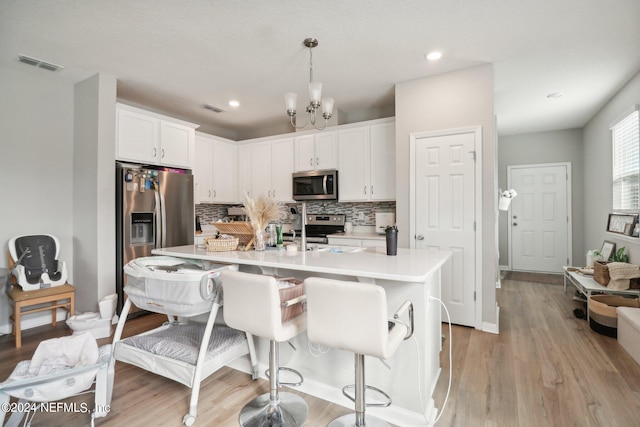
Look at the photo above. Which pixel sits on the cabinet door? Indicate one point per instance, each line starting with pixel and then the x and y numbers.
pixel 225 172
pixel 353 173
pixel 137 137
pixel 281 169
pixel 304 153
pixel 244 171
pixel 202 170
pixel 326 150
pixel 261 169
pixel 175 141
pixel 383 161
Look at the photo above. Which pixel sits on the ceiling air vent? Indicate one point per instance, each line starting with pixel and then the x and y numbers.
pixel 213 108
pixel 39 63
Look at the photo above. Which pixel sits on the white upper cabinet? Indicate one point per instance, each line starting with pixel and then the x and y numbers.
pixel 367 163
pixel 282 169
pixel 316 151
pixel 215 170
pixel 266 168
pixel 382 156
pixel 145 137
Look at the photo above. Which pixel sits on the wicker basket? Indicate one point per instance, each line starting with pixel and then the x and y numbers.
pixel 601 272
pixel 287 294
pixel 221 245
pixel 240 229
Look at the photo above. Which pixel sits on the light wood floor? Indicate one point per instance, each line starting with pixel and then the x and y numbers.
pixel 545 368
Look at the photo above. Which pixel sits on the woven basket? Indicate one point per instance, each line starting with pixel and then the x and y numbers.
pixel 603 317
pixel 601 272
pixel 290 293
pixel 221 245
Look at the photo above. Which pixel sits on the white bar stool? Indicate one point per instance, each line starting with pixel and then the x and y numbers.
pixel 352 316
pixel 252 304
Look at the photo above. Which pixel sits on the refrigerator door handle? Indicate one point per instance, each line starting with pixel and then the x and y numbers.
pixel 157 217
pixel 163 218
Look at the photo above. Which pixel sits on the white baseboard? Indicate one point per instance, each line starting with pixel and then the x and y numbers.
pixel 33 320
pixel 493 328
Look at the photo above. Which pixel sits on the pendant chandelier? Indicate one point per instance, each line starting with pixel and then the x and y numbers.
pixel 315 97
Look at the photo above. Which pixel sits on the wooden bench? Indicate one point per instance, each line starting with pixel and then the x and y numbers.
pixel 23 301
pixel 63 296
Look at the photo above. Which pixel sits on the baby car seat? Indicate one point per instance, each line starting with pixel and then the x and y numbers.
pixel 36 261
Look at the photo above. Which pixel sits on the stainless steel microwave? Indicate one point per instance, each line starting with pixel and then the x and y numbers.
pixel 315 185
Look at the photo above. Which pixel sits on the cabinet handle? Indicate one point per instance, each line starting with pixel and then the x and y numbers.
pixel 311 161
pixel 155 152
pixel 274 194
pixel 372 190
pixel 163 153
pixel 269 193
pixel 209 193
pixel 365 189
pixel 317 161
pixel 214 194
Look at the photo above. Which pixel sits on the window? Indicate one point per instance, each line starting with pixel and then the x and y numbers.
pixel 625 134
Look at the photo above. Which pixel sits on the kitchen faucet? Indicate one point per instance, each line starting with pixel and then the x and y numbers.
pixel 303 231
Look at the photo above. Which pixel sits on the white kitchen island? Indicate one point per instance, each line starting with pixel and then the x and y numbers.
pixel 411 275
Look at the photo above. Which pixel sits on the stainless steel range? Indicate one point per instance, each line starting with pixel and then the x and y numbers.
pixel 319 226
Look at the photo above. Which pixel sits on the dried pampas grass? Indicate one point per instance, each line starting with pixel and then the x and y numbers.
pixel 262 211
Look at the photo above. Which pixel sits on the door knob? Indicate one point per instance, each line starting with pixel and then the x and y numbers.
pixel 515 217
pixel 419 237
pixel 515 223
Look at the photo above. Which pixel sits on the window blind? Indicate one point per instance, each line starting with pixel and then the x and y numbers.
pixel 626 162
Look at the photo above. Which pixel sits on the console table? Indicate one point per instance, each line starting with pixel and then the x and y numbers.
pixel 588 286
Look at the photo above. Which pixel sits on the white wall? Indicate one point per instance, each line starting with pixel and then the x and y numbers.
pixel 545 147
pixel 94 190
pixel 598 198
pixel 452 100
pixel 36 191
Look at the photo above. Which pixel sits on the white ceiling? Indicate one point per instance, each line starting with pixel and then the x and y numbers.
pixel 174 55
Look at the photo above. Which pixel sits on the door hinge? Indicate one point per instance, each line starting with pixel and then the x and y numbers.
pixel 474 295
pixel 474 226
pixel 473 154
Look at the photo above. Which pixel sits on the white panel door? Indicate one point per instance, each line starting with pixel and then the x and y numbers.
pixel 445 214
pixel 538 218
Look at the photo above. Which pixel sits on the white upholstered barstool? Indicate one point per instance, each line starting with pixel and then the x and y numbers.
pixel 353 316
pixel 252 304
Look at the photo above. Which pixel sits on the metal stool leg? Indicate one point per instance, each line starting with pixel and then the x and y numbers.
pixel 357 419
pixel 274 409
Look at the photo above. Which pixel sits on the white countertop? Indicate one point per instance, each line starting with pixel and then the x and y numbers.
pixel 410 265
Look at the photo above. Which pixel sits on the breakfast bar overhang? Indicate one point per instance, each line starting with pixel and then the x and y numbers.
pixel 410 376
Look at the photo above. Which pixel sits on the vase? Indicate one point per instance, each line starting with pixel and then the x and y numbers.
pixel 260 240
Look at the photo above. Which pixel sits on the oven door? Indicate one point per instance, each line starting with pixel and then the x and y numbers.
pixel 315 185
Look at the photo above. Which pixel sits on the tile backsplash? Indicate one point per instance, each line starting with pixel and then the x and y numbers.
pixel 360 214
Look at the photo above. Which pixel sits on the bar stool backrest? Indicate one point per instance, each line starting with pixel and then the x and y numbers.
pixel 350 316
pixel 252 303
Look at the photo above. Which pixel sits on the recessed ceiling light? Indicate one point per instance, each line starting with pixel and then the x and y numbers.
pixel 554 95
pixel 435 55
pixel 233 103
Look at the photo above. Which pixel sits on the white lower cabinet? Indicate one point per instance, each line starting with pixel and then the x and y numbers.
pixel 215 170
pixel 367 243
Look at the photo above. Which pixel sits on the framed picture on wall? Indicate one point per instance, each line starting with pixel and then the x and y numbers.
pixel 622 223
pixel 607 250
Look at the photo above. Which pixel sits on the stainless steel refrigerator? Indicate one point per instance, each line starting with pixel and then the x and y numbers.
pixel 154 209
